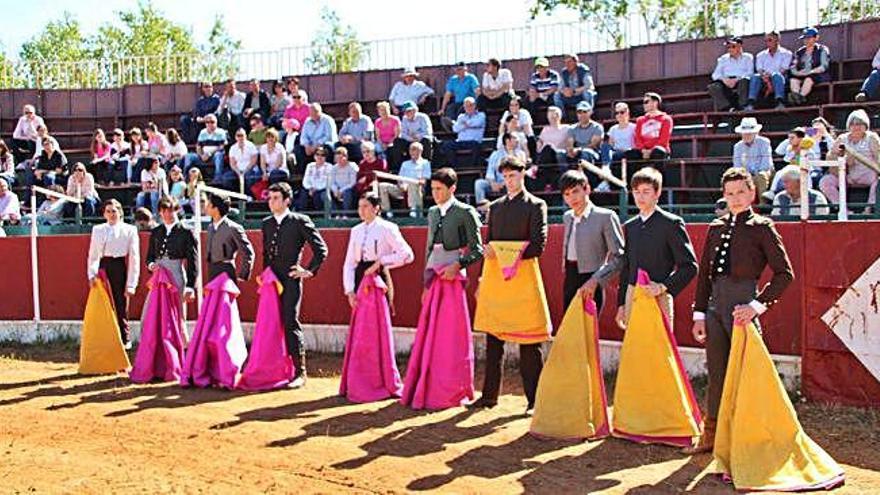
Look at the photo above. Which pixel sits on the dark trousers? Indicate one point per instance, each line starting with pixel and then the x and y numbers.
pixel 573 281
pixel 500 103
pixel 531 362
pixel 215 269
pixel 726 294
pixel 291 298
pixel 636 161
pixel 725 98
pixel 117 272
pixel 23 149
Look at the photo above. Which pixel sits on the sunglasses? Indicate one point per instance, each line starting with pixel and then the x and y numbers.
pixel 297 97
pixel 620 112
pixel 80 170
pixel 645 102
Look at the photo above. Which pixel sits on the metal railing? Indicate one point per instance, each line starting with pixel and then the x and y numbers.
pixel 530 40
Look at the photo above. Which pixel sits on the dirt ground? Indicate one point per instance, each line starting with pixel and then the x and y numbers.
pixel 64 433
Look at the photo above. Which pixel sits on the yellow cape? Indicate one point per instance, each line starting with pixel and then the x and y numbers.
pixel 511 303
pixel 653 399
pixel 760 444
pixel 100 349
pixel 571 402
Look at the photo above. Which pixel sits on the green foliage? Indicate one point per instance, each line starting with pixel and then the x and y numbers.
pixel 141 46
pixel 849 10
pixel 664 20
pixel 336 48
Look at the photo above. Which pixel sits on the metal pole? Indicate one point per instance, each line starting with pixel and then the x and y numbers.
pixel 35 275
pixel 841 185
pixel 197 229
pixel 805 189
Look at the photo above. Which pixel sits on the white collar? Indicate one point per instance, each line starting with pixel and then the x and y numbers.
pixel 584 214
pixel 169 227
pixel 280 218
pixel 218 222
pixel 646 218
pixel 444 208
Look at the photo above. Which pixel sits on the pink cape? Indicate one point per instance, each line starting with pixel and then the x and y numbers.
pixel 217 349
pixel 268 365
pixel 369 372
pixel 160 350
pixel 440 373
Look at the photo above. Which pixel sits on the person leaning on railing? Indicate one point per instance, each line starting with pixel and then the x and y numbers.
pixel 861 148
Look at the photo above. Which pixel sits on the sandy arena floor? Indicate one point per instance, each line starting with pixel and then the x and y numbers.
pixel 63 433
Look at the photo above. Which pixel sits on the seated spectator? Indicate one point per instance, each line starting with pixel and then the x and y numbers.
pixel 143 220
pixel 297 112
pixel 176 184
pixel 809 66
pixel 318 131
pixel 861 148
pixel 733 71
pixel 368 167
pixel 387 130
pixel 525 122
pixel 771 68
pixel 99 150
pixel 871 86
pixel 415 127
pixel 575 84
pixel 244 167
pixel 157 144
pixel 176 150
pixel 343 177
pixel 51 210
pixel 42 133
pixel 824 134
pixel 193 180
pixel 290 138
pixel 493 182
pixel 154 184
pixel 584 137
pixel 229 111
pixel 416 168
pixel 542 86
pixel 10 208
pixel 497 87
pixel 787 202
pixel 355 129
pixel 24 137
pixel 470 128
pixel 50 168
pixel 193 122
pixel 651 139
pixel 460 86
pixel 621 136
pixel 209 148
pixel 293 89
pixel 140 154
pixel 790 149
pixel 120 160
pixel 553 139
pixel 278 103
pixel 753 153
pixel 511 126
pixel 7 164
pixel 81 185
pixel 313 194
pixel 409 88
pixel 256 102
pixel 273 159
pixel 257 134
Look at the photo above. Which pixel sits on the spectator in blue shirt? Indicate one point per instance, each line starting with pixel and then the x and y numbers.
pixel 319 130
pixel 576 84
pixel 542 87
pixel 458 87
pixel 416 168
pixel 209 148
pixel 355 129
pixel 415 127
pixel 470 128
pixel 192 123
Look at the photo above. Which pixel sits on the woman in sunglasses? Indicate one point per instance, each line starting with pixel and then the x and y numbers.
pixel 82 185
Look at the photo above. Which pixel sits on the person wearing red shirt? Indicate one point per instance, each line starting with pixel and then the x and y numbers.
pixel 653 130
pixel 368 167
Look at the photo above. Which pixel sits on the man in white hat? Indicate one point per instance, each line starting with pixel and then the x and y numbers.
pixel 861 147
pixel 754 153
pixel 409 88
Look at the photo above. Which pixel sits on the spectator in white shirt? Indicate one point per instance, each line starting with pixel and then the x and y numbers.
pixel 273 159
pixel 176 149
pixel 497 87
pixel 493 182
pixel 154 184
pixel 417 169
pixel 7 164
pixel 81 185
pixel 244 169
pixel 771 68
pixel 294 89
pixel 526 124
pixel 409 88
pixel 10 208
pixel 730 79
pixel 24 137
pixel 229 112
pixel 510 125
pixel 343 177
pixel 621 136
pixel 314 184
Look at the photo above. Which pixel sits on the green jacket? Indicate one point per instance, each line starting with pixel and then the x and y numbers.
pixel 460 228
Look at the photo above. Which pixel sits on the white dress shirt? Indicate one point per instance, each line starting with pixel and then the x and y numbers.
pixel 240 156
pixel 115 241
pixel 738 68
pixel 378 240
pixel 778 62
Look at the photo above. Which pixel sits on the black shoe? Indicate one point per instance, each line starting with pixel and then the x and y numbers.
pixel 482 403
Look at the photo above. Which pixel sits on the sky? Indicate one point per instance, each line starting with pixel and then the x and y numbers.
pixel 294 25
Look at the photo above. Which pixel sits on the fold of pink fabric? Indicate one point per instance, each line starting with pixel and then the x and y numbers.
pixel 160 351
pixel 440 373
pixel 369 371
pixel 217 350
pixel 268 366
pixel 510 271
